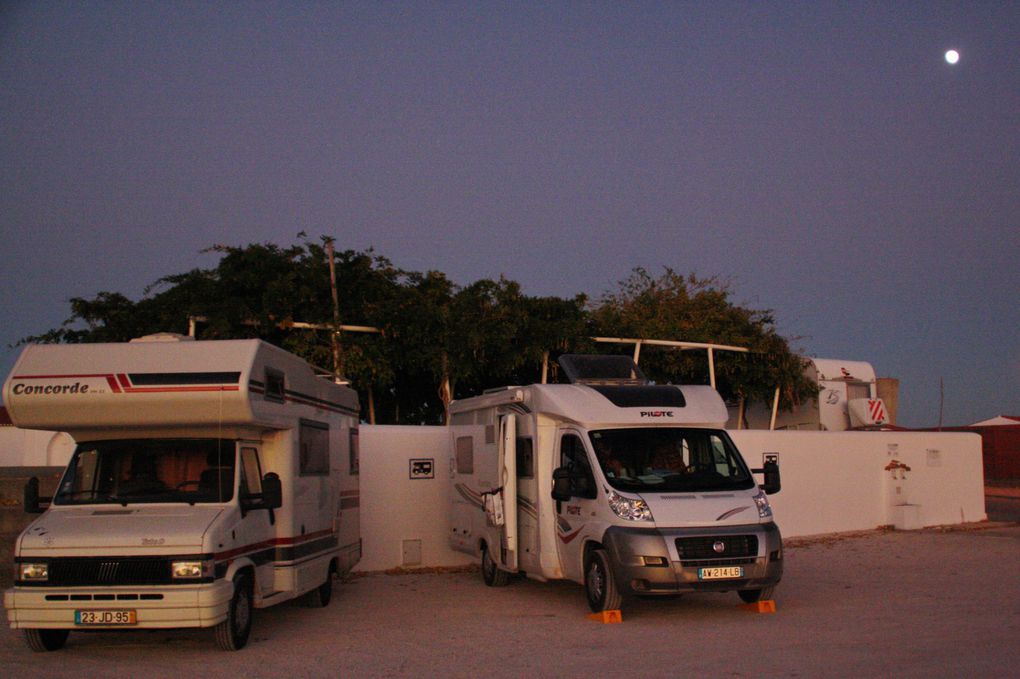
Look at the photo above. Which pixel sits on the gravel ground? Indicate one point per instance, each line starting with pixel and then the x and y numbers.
pixel 933 603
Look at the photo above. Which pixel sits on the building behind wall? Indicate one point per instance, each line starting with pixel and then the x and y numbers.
pixel 850 396
pixel 1000 447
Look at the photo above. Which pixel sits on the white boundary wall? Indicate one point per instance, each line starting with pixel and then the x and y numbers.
pixel 839 481
pixel 404 520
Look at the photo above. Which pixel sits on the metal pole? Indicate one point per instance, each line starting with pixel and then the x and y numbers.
pixel 711 367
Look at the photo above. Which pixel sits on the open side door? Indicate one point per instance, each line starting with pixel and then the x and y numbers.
pixel 508 483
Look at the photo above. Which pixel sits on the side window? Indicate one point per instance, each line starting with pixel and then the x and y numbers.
pixel 251 472
pixel 83 482
pixel 525 458
pixel 465 455
pixel 275 386
pixel 723 462
pixel 573 457
pixel 314 448
pixel 355 451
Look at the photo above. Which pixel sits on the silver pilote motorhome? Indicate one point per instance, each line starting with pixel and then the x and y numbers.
pixel 623 486
pixel 209 478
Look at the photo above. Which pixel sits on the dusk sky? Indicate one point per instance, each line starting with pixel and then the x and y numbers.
pixel 823 157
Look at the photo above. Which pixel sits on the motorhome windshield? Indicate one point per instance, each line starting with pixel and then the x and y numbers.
pixel 149 470
pixel 670 459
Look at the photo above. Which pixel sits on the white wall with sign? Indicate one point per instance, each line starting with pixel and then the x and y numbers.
pixel 846 481
pixel 404 484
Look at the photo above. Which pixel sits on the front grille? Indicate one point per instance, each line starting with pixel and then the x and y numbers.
pixel 74 572
pixel 701 551
pixel 718 562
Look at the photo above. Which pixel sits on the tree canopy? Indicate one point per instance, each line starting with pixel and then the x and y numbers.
pixel 436 339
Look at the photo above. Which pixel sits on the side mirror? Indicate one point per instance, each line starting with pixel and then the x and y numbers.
pixel 33 503
pixel 561 485
pixel 272 491
pixel 773 483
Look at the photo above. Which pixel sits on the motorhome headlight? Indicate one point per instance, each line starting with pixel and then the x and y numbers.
pixel 630 508
pixel 762 502
pixel 192 569
pixel 37 571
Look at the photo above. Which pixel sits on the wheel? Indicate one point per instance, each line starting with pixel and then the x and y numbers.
pixel 492 574
pixel 42 640
pixel 232 633
pixel 751 596
pixel 323 594
pixel 599 584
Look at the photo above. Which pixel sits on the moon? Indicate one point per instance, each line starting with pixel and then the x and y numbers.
pixel 952 56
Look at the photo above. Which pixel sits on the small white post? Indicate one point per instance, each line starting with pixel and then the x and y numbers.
pixel 775 410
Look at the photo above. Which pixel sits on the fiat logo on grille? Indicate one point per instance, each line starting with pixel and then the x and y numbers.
pixel 719 546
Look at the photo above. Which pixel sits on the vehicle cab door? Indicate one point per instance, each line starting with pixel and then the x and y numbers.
pixel 256 529
pixel 574 515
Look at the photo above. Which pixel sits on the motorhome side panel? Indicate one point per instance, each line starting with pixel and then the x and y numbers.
pixel 318 523
pixel 474 469
pixel 473 472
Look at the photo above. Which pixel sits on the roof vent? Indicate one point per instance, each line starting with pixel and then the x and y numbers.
pixel 604 370
pixel 164 337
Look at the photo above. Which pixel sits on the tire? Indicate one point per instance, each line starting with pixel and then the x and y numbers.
pixel 492 574
pixel 232 634
pixel 751 596
pixel 599 584
pixel 323 594
pixel 43 640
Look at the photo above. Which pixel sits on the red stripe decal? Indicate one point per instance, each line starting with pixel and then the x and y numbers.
pixel 265 544
pixel 567 539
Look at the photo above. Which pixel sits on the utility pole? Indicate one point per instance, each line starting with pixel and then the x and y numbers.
pixel 337 362
pixel 942 400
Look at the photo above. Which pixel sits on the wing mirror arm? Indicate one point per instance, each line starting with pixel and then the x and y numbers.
pixel 34 504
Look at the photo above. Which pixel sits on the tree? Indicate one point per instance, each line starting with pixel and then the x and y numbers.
pixel 438 341
pixel 693 309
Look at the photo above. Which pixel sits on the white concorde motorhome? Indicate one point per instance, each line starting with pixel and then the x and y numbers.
pixel 620 485
pixel 209 478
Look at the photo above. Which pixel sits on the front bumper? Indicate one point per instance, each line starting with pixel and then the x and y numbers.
pixel 647 561
pixel 202 605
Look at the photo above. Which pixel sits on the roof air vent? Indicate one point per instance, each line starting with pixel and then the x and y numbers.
pixel 602 370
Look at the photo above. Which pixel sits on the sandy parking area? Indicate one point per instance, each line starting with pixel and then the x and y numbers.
pixel 909 604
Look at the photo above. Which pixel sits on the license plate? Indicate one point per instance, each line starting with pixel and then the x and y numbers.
pixel 720 573
pixel 106 617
